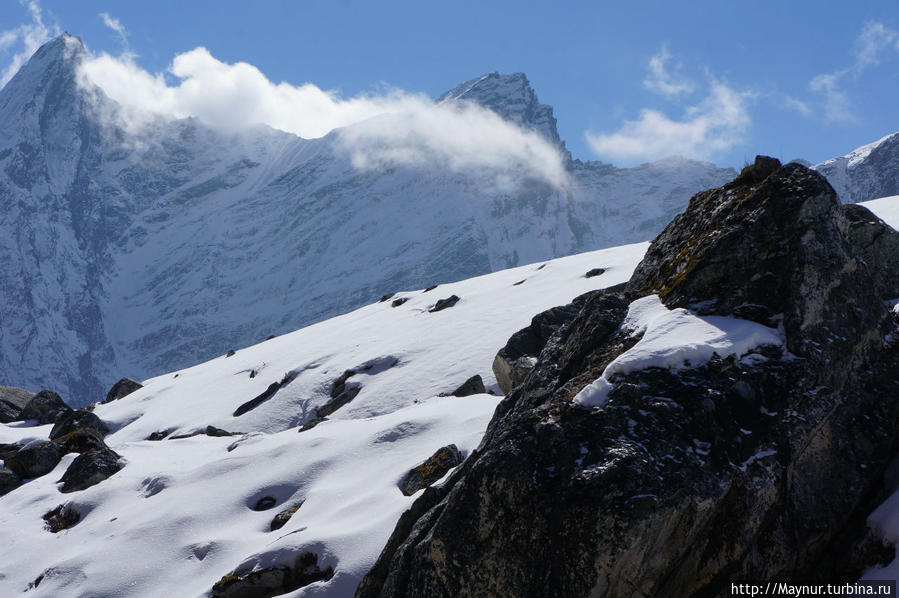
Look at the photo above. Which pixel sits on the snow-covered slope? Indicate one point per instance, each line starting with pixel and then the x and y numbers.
pixel 868 172
pixel 129 251
pixel 180 514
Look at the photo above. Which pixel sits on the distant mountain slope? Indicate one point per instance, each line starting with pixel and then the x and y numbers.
pixel 132 251
pixel 868 172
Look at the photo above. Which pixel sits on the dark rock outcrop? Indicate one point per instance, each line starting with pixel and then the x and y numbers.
pixel 259 399
pixel 517 358
pixel 281 519
pixel 444 303
pixel 122 389
pixel 472 386
pixel 877 244
pixel 594 272
pixel 90 468
pixel 683 481
pixel 35 461
pixel 9 480
pixel 435 467
pixel 398 302
pixel 78 419
pixel 12 401
pixel 62 517
pixel 272 581
pixel 46 407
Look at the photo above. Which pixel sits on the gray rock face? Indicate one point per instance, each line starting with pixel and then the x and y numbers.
pixel 46 407
pixel 121 389
pixel 90 468
pixel 683 481
pixel 877 244
pixel 12 401
pixel 869 172
pixel 35 461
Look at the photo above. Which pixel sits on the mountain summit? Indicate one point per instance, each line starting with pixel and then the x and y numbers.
pixel 513 98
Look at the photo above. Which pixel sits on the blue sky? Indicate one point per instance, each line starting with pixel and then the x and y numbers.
pixel 628 81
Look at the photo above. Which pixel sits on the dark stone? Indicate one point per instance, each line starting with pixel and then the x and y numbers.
pixel 218 432
pixel 386 297
pixel 230 353
pixel 35 461
pixel 258 400
pixel 273 581
pixel 284 516
pixel 265 503
pixel 123 388
pixel 270 337
pixel 46 407
pixel 79 440
pixel 444 303
pixel 472 386
pixel 426 473
pixel 660 491
pixel 161 435
pixel 430 288
pixel 349 393
pixel 9 480
pixel 78 419
pixel 594 272
pixel 312 423
pixel 12 401
pixel 62 517
pixel 515 284
pixel 8 449
pixel 398 302
pixel 90 468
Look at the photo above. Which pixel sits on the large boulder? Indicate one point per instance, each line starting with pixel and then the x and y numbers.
pixel 684 478
pixel 79 419
pixel 90 468
pixel 430 470
pixel 46 407
pixel 35 461
pixel 121 389
pixel 12 401
pixel 877 243
pixel 9 480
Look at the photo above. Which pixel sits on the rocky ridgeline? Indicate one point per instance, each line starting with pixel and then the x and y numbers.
pixel 685 481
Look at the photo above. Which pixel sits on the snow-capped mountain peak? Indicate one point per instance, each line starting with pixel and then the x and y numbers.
pixel 512 97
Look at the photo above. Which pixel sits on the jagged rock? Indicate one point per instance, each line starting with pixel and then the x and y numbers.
pixel 312 423
pixel 78 419
pixel 472 386
pixel 46 407
pixel 121 389
pixel 284 516
pixel 430 288
pixel 444 303
pixel 435 467
pixel 9 480
pixel 8 449
pixel 272 581
pixel 12 401
pixel 35 461
pixel 398 302
pixel 230 353
pixel 594 272
pixel 517 358
pixel 62 517
pixel 341 394
pixel 90 468
pixel 683 481
pixel 877 244
pixel 160 435
pixel 386 297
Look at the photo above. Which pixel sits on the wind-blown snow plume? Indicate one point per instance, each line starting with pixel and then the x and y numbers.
pixel 409 128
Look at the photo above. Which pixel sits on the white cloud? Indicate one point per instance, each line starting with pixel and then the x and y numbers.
pixel 29 35
pixel 712 126
pixel 871 42
pixel 401 128
pixel 796 104
pixel 837 106
pixel 661 80
pixel 116 26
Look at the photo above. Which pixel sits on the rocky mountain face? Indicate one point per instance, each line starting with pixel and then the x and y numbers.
pixel 869 172
pixel 754 465
pixel 135 244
